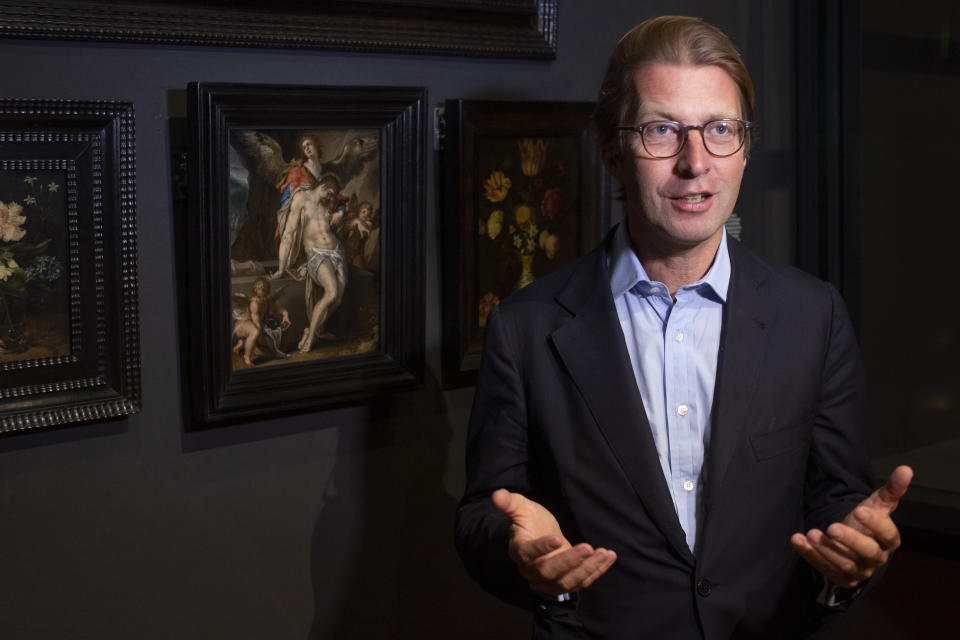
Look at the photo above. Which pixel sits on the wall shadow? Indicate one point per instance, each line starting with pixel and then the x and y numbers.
pixel 383 562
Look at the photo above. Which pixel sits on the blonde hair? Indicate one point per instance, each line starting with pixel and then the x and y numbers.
pixel 668 40
pixel 313 138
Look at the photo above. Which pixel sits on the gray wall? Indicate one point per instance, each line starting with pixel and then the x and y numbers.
pixel 332 524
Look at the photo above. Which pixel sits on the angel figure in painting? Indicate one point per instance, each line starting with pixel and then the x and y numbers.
pixel 272 181
pixel 311 251
pixel 359 233
pixel 260 323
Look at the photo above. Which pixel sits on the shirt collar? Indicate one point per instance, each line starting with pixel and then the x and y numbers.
pixel 626 270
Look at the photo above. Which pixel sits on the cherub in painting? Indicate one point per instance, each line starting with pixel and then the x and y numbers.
pixel 261 323
pixel 358 235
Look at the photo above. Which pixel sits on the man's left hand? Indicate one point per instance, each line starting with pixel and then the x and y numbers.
pixel 850 551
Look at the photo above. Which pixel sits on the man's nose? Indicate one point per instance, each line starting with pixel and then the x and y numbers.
pixel 694 159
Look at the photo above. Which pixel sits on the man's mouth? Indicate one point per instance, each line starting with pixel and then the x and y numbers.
pixel 699 197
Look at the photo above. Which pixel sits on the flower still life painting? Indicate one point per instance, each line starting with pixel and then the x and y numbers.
pixel 304 231
pixel 34 303
pixel 524 193
pixel 527 224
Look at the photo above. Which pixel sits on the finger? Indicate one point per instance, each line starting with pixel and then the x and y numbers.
pixel 607 561
pixel 580 576
pixel 559 564
pixel 880 526
pixel 845 563
pixel 802 546
pixel 864 550
pixel 528 551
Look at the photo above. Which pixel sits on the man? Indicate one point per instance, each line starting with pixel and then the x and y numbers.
pixel 655 424
pixel 307 220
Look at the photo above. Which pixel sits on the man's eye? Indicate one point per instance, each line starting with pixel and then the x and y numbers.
pixel 721 129
pixel 661 129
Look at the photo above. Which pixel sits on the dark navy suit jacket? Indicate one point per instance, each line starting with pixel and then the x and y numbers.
pixel 557 417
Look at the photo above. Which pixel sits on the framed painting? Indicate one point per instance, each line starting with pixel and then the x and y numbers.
pixel 480 28
pixel 69 332
pixel 304 248
pixel 524 193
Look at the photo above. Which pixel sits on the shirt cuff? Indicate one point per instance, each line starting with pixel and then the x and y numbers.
pixel 833 597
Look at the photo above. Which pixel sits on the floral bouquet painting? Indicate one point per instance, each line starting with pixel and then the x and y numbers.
pixel 34 312
pixel 526 212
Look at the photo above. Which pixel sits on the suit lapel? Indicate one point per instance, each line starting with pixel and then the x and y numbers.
pixel 747 317
pixel 591 346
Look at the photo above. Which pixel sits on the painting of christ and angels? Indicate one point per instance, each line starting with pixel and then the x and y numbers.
pixel 302 248
pixel 304 239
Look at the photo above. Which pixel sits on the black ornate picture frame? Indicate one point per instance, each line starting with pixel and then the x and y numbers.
pixel 524 192
pixel 477 28
pixel 304 250
pixel 69 328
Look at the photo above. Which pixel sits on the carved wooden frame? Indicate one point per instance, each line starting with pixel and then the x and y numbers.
pixel 477 28
pixel 93 144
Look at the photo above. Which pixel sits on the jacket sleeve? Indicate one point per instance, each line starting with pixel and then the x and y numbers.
pixel 838 474
pixel 496 458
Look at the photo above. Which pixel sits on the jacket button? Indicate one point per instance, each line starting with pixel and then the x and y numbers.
pixel 704 588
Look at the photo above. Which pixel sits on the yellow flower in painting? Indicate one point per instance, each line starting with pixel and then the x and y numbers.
pixel 53 186
pixel 10 221
pixel 7 270
pixel 495 224
pixel 551 246
pixel 533 153
pixel 524 216
pixel 496 186
pixel 487 303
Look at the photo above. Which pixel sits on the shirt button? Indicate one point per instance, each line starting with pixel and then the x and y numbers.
pixel 678 336
pixel 683 410
pixel 687 485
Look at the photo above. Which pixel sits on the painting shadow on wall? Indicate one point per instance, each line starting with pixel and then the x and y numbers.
pixel 383 561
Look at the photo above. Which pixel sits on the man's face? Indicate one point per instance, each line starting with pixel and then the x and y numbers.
pixel 309 150
pixel 365 214
pixel 326 191
pixel 680 202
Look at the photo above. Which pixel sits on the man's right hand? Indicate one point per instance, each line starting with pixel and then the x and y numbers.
pixel 544 558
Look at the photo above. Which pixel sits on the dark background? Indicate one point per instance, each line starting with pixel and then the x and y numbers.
pixel 338 524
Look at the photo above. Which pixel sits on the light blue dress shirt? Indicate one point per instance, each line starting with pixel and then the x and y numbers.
pixel 673 349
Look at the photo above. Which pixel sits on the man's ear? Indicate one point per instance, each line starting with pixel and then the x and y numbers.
pixel 613 161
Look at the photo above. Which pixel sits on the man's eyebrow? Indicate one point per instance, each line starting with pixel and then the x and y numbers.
pixel 656 114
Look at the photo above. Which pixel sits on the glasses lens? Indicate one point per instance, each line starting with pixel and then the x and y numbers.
pixel 723 137
pixel 662 139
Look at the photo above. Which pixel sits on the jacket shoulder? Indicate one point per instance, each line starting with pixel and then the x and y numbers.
pixel 782 282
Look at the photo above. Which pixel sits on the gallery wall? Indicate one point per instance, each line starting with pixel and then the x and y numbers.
pixel 333 524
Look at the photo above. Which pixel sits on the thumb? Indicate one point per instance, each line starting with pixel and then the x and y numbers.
pixel 512 504
pixel 895 488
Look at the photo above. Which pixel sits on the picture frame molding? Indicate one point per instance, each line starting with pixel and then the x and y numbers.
pixel 93 143
pixel 216 395
pixel 473 28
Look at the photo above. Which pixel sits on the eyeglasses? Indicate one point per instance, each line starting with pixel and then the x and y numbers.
pixel 665 139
